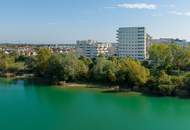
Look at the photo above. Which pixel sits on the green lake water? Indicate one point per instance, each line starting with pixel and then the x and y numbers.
pixel 25 106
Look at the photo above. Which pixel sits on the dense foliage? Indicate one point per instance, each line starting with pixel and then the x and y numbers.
pixel 10 64
pixel 165 73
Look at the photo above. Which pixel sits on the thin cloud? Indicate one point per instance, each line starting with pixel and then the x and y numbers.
pixel 180 13
pixel 137 6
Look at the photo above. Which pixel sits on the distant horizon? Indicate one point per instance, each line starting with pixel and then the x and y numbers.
pixel 67 42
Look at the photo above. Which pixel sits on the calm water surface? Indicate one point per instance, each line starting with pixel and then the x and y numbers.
pixel 24 106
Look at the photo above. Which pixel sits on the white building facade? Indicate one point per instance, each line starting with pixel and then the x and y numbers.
pixel 133 42
pixel 92 49
pixel 66 46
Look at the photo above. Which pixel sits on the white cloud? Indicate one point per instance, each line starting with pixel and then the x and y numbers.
pixel 180 13
pixel 137 6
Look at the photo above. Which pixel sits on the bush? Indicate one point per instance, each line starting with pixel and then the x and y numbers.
pixel 104 70
pixel 164 78
pixel 152 84
pixel 167 90
pixel 178 81
pixel 137 73
pixel 162 85
pixel 187 82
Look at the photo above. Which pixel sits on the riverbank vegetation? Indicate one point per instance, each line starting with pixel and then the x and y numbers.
pixel 166 73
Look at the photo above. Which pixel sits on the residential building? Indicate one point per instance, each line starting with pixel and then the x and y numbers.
pixel 92 49
pixel 182 43
pixel 66 46
pixel 114 49
pixel 133 42
pixel 163 40
pixel 148 44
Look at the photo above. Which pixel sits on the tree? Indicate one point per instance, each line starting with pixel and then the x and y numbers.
pixel 137 73
pixel 181 56
pixel 109 71
pixel 54 72
pixel 122 73
pixel 86 60
pixel 187 82
pixel 74 69
pixel 169 57
pixel 104 70
pixel 160 57
pixel 164 78
pixel 42 60
pixel 98 72
pixel 6 61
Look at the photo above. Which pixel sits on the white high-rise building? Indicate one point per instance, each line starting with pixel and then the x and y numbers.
pixel 133 42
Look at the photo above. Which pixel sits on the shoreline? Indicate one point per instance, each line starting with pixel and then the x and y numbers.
pixel 103 87
pixel 98 88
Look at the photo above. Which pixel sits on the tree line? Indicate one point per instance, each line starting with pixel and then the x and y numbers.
pixel 165 73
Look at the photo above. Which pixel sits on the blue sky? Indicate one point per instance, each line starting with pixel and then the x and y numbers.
pixel 70 20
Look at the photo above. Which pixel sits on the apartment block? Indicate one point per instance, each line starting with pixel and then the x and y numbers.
pixel 92 49
pixel 133 42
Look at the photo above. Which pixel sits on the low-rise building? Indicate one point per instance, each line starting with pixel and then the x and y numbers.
pixel 92 49
pixel 66 46
pixel 182 43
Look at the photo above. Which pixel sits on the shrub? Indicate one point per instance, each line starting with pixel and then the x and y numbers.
pixel 187 82
pixel 137 73
pixel 178 81
pixel 166 90
pixel 164 78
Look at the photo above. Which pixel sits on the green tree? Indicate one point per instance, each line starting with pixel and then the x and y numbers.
pixel 186 81
pixel 42 60
pixel 122 73
pixel 54 72
pixel 164 78
pixel 181 56
pixel 74 69
pixel 160 56
pixel 162 84
pixel 170 58
pixel 137 73
pixel 6 62
pixel 110 71
pixel 98 72
pixel 104 70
